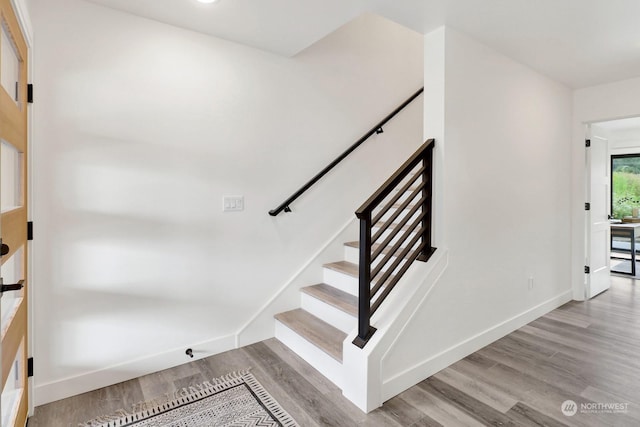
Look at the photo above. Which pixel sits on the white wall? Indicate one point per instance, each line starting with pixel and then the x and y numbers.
pixel 611 101
pixel 504 135
pixel 141 129
pixel 622 141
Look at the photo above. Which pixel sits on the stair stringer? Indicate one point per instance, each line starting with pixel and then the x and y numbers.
pixel 364 383
pixel 260 326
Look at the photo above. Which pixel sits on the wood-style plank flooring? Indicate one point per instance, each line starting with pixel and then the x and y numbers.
pixel 587 352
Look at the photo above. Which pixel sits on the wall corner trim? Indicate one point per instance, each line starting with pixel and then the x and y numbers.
pixel 22 13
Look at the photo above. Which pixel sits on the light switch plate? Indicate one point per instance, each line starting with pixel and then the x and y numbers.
pixel 232 203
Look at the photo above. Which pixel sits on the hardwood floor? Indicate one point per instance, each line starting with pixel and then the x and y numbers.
pixel 586 352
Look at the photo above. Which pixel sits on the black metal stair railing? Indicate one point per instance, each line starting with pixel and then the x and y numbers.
pixel 400 211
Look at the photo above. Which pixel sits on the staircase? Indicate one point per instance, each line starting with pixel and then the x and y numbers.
pixel 329 311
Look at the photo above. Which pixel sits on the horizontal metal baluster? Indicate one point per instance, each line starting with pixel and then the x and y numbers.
pixel 395 279
pixel 395 198
pixel 390 254
pixel 399 227
pixel 403 206
pixel 389 272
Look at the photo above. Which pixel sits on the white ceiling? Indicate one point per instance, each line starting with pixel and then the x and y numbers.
pixel 577 42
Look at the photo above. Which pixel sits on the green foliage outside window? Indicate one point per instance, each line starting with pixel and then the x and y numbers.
pixel 626 186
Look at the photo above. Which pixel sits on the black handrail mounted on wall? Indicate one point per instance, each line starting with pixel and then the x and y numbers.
pixel 400 212
pixel 284 206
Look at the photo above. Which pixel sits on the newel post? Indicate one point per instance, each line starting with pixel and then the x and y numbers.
pixel 427 207
pixel 365 330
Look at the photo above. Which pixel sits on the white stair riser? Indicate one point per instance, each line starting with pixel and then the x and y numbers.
pixel 407 194
pixel 325 364
pixel 397 237
pixel 391 211
pixel 341 281
pixel 352 254
pixel 330 314
pixel 401 215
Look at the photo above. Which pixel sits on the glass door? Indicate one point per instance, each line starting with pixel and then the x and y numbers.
pixel 13 219
pixel 625 209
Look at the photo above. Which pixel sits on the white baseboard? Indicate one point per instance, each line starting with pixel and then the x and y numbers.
pixel 71 386
pixel 413 375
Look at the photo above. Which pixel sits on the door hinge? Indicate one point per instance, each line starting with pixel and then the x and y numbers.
pixel 587 270
pixel 587 143
pixel 4 249
pixel 30 367
pixel 587 206
pixel 30 93
pixel 30 230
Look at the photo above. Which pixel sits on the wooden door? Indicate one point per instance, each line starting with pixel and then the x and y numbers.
pixel 13 218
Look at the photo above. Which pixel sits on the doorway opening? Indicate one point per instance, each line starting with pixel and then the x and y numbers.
pixel 623 138
pixel 625 208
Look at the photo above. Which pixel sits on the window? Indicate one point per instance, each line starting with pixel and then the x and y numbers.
pixel 625 185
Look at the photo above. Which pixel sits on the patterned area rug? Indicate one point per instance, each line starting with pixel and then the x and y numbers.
pixel 237 399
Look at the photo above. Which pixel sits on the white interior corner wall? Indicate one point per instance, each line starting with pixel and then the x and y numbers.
pixel 611 101
pixel 142 128
pixel 505 179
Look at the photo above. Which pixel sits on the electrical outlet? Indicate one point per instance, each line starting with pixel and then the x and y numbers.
pixel 232 203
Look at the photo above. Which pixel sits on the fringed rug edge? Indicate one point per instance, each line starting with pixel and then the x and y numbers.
pixel 268 401
pixel 143 410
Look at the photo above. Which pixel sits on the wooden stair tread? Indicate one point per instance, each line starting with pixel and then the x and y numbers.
pixel 393 226
pixel 350 269
pixel 345 267
pixel 316 331
pixel 385 251
pixel 334 297
pixel 411 189
pixel 396 205
pixel 356 244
